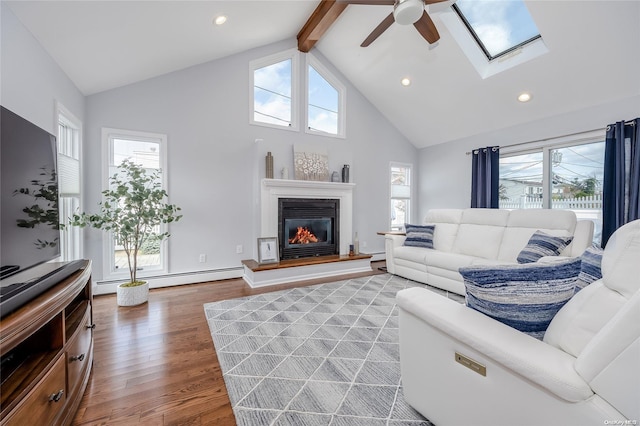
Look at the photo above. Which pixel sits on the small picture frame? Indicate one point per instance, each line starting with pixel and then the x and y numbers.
pixel 268 250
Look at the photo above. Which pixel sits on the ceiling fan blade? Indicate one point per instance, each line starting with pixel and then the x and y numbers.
pixel 374 2
pixel 433 1
pixel 386 23
pixel 427 28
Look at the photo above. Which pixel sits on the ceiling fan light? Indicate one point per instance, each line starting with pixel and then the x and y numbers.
pixel 406 12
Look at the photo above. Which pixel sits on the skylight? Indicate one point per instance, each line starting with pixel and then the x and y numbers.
pixel 498 27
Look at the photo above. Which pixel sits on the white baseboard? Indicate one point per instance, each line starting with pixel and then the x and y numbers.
pixel 109 287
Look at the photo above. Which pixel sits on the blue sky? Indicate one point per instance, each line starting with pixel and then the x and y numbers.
pixel 500 24
pixel 576 162
pixel 274 103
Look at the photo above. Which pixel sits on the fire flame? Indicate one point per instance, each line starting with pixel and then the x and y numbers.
pixel 303 236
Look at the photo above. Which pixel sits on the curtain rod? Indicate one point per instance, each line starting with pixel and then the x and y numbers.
pixel 548 139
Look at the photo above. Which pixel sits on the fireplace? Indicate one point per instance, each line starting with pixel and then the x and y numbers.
pixel 308 227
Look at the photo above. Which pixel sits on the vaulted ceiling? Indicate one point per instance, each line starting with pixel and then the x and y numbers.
pixel 593 55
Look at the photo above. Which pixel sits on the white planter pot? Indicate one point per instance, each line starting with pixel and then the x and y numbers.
pixel 132 296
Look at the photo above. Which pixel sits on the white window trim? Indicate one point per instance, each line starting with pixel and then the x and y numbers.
pixel 63 114
pixel 109 271
pixel 409 213
pixel 311 60
pixel 476 56
pixel 294 55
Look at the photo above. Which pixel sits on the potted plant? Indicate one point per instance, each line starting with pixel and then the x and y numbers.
pixel 132 209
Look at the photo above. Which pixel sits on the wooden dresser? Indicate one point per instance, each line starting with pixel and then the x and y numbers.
pixel 47 354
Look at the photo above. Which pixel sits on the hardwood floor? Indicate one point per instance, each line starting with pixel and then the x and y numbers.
pixel 155 364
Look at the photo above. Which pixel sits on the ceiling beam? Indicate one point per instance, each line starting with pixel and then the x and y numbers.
pixel 319 22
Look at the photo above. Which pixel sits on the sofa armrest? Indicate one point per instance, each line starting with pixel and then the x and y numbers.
pixel 392 241
pixel 396 239
pixel 528 357
pixel 582 237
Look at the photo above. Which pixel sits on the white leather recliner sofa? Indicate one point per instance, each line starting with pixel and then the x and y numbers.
pixel 466 237
pixel 586 371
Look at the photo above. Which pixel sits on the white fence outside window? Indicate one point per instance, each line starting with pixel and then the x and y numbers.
pixel 585 208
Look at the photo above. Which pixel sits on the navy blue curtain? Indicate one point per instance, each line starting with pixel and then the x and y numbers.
pixel 621 186
pixel 485 173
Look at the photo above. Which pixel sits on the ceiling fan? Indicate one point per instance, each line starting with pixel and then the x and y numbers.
pixel 405 12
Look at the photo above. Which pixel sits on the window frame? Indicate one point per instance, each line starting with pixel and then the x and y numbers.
pixel 256 64
pixel 108 246
pixel 72 237
pixel 312 61
pixel 474 53
pixel 409 200
pixel 481 44
pixel 546 146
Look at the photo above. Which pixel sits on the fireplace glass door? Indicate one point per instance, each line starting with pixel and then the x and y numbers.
pixel 308 227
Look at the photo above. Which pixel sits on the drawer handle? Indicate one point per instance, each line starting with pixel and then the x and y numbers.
pixel 91 326
pixel 77 358
pixel 55 397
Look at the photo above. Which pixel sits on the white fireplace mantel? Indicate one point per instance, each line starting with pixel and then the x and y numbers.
pixel 273 189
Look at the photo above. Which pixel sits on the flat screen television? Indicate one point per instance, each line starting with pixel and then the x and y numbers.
pixel 29 230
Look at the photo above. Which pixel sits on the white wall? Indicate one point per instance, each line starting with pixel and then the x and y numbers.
pixel 215 164
pixel 31 81
pixel 445 169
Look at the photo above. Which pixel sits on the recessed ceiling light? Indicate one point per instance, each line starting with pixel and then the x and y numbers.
pixel 524 97
pixel 219 20
pixel 405 81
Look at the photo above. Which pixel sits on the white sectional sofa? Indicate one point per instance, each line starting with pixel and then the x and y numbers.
pixel 461 367
pixel 465 237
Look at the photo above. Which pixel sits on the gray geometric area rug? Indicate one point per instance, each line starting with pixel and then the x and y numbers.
pixel 323 355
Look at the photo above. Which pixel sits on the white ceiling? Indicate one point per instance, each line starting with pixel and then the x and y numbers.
pixel 106 44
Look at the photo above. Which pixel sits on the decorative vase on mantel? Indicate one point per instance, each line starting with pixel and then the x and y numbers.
pixel 269 165
pixel 345 173
pixel 128 295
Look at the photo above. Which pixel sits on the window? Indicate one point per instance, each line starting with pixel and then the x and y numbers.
pixel 325 100
pixel 273 94
pixel 564 176
pixel 69 142
pixel 498 27
pixel 148 150
pixel 487 30
pixel 400 181
pixel 520 184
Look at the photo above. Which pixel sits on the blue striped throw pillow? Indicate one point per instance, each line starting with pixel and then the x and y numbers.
pixel 525 297
pixel 419 235
pixel 590 271
pixel 541 244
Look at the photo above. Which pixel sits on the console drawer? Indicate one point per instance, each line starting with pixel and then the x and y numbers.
pixel 45 401
pixel 78 351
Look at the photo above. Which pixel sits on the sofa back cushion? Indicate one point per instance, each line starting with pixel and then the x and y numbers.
pixel 522 224
pixel 480 233
pixel 446 223
pixel 600 325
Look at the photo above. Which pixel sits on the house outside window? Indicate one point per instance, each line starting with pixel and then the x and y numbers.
pixel 400 195
pixel 568 175
pixel 274 94
pixel 69 169
pixel 149 151
pixel 325 100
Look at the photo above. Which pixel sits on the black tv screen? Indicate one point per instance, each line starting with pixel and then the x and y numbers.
pixel 30 232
